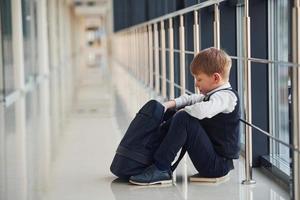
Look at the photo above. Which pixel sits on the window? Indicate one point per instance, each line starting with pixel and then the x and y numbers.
pixel 6 45
pixel 279 81
pixel 1 64
pixel 30 37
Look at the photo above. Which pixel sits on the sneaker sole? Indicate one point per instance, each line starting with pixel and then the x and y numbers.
pixel 210 180
pixel 152 183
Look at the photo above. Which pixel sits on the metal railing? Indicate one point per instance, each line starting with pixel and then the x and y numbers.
pixel 146 36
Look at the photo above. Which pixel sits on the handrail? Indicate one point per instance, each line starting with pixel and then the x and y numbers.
pixel 174 14
pixel 254 60
pixel 265 61
pixel 270 136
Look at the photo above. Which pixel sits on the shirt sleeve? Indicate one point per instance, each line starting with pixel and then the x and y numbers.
pixel 186 100
pixel 219 102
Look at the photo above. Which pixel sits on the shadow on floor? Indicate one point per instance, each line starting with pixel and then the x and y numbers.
pixel 123 190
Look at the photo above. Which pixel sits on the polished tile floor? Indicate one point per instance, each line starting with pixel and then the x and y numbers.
pixel 104 106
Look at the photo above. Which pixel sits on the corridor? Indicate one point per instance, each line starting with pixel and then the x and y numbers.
pixel 74 73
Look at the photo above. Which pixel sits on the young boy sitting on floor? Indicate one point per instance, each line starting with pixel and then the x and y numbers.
pixel 207 126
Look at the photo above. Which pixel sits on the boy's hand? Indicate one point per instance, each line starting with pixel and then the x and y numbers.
pixel 169 104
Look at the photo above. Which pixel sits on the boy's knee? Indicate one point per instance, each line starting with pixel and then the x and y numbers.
pixel 181 115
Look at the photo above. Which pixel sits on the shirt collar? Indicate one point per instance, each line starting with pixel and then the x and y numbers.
pixel 225 85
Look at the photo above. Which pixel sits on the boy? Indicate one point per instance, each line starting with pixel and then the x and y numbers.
pixel 207 126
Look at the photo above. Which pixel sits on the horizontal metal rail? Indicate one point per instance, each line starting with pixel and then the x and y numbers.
pixel 265 61
pixel 253 60
pixel 270 136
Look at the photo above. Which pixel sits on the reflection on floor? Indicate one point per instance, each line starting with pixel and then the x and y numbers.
pixel 100 115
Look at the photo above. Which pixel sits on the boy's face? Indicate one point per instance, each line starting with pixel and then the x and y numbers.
pixel 206 83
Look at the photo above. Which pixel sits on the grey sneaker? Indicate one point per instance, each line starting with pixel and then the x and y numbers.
pixel 152 175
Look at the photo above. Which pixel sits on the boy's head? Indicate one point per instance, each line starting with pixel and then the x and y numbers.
pixel 211 68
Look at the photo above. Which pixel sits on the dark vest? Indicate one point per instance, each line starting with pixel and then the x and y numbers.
pixel 224 130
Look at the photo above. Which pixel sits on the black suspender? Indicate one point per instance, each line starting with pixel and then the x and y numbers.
pixel 206 98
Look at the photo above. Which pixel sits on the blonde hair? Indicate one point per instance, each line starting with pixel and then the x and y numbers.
pixel 210 61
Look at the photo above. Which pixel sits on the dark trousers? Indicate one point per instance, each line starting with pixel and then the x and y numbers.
pixel 187 131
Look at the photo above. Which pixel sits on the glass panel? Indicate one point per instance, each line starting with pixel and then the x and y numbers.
pixel 6 45
pixel 189 31
pixel 177 73
pixel 2 154
pixel 168 73
pixel 30 35
pixel 1 64
pixel 206 28
pixel 54 118
pixel 279 49
pixel 228 25
pixel 50 35
pixel 13 168
pixel 259 29
pixel 35 37
pixel 33 143
pixel 281 127
pixel 176 55
pixel 30 121
pixel 189 79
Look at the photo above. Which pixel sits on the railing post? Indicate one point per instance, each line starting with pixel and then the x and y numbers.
pixel 136 57
pixel 196 39
pixel 171 58
pixel 130 50
pixel 248 102
pixel 217 26
pixel 156 59
pixel 125 54
pixel 295 191
pixel 182 55
pixel 196 33
pixel 146 53
pixel 139 51
pixel 20 104
pixel 150 44
pixel 142 54
pixel 163 59
pixel 182 83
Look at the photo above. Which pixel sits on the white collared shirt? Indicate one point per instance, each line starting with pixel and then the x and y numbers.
pixel 219 102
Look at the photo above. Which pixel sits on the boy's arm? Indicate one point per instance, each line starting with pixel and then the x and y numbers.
pixel 183 101
pixel 186 100
pixel 220 102
pixel 169 104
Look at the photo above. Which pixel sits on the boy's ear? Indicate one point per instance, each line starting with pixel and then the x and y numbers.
pixel 217 77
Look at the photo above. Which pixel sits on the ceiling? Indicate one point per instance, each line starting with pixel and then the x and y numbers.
pixel 90 7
